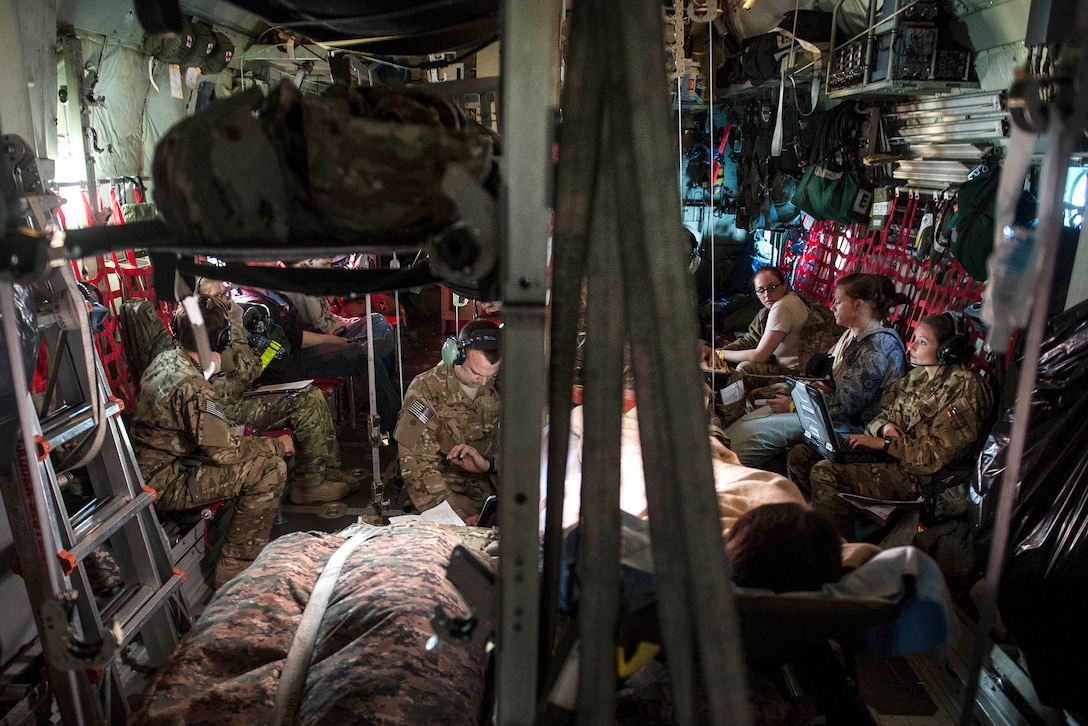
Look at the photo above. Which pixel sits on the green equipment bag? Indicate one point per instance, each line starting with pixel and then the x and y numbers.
pixel 173 49
pixel 972 239
pixel 973 231
pixel 832 192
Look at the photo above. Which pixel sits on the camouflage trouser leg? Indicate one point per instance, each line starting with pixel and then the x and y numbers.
pixel 255 511
pixel 880 481
pixel 799 463
pixel 255 486
pixel 308 416
pixel 758 375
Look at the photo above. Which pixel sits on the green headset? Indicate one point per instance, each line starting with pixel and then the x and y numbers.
pixel 455 349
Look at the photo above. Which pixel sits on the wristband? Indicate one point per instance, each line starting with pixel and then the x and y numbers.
pixel 887 442
pixel 490 463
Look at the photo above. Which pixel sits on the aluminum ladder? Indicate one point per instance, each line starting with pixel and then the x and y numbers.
pixel 90 641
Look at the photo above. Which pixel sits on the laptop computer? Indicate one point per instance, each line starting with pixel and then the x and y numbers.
pixel 820 432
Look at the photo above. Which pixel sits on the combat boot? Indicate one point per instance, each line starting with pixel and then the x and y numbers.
pixel 227 568
pixel 354 482
pixel 313 489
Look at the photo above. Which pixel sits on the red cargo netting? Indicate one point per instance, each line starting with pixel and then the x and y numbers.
pixel 832 251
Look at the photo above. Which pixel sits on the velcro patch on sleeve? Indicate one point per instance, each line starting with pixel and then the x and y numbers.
pixel 213 408
pixel 419 409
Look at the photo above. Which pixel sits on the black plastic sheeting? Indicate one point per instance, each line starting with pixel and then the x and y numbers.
pixel 1044 589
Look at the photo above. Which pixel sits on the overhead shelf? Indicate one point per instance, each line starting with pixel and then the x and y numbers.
pixel 903 88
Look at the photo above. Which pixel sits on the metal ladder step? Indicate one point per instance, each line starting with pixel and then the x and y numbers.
pixel 64 425
pixel 99 524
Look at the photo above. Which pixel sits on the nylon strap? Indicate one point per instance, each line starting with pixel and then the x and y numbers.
pixel 297 664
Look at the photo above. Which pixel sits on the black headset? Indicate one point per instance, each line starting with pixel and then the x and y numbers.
pixel 455 349
pixel 222 338
pixel 956 347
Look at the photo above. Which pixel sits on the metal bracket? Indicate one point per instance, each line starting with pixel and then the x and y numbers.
pixel 477 586
pixel 62 647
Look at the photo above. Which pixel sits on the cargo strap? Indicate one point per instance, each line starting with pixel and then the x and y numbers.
pixel 297 664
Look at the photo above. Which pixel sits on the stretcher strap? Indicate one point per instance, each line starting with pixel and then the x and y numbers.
pixel 297 664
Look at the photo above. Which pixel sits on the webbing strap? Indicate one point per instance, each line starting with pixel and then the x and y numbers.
pixel 297 664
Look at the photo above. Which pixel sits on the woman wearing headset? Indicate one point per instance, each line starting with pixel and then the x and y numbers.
pixel 928 419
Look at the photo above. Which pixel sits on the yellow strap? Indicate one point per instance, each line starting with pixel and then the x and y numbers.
pixel 269 353
pixel 644 653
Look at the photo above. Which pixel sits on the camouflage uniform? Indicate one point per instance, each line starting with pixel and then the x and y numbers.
pixel 940 418
pixel 436 416
pixel 241 365
pixel 306 413
pixel 190 458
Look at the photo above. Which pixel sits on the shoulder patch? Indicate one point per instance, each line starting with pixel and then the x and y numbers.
pixel 213 408
pixel 419 409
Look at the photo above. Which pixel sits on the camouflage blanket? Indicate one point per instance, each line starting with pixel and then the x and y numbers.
pixel 369 664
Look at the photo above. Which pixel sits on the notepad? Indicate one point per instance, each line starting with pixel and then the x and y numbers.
pixel 289 388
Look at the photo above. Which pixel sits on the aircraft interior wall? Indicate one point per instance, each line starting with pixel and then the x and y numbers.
pixel 135 101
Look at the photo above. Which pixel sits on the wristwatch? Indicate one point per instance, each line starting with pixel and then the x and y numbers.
pixel 887 442
pixel 491 463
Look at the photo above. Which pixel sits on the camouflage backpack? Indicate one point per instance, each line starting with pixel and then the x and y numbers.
pixel 144 335
pixel 819 332
pixel 353 166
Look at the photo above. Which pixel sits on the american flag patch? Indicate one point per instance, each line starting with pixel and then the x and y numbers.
pixel 212 407
pixel 419 409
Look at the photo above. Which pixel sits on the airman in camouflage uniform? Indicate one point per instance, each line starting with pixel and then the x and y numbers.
pixel 189 456
pixel 928 419
pixel 448 428
pixel 316 475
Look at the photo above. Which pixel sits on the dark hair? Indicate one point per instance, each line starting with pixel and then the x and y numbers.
pixel 877 291
pixel 216 317
pixel 485 329
pixel 771 269
pixel 784 547
pixel 941 324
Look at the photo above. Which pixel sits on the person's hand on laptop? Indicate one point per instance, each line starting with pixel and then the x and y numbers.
pixel 855 441
pixel 780 404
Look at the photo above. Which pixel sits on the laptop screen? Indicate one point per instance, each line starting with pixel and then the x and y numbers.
pixel 815 420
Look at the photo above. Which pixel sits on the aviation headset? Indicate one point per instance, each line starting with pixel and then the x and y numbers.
pixel 956 347
pixel 218 345
pixel 455 349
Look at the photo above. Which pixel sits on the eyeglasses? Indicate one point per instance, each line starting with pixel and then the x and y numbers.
pixel 769 288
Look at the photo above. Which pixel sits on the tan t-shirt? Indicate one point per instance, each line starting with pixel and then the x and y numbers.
pixel 788 315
